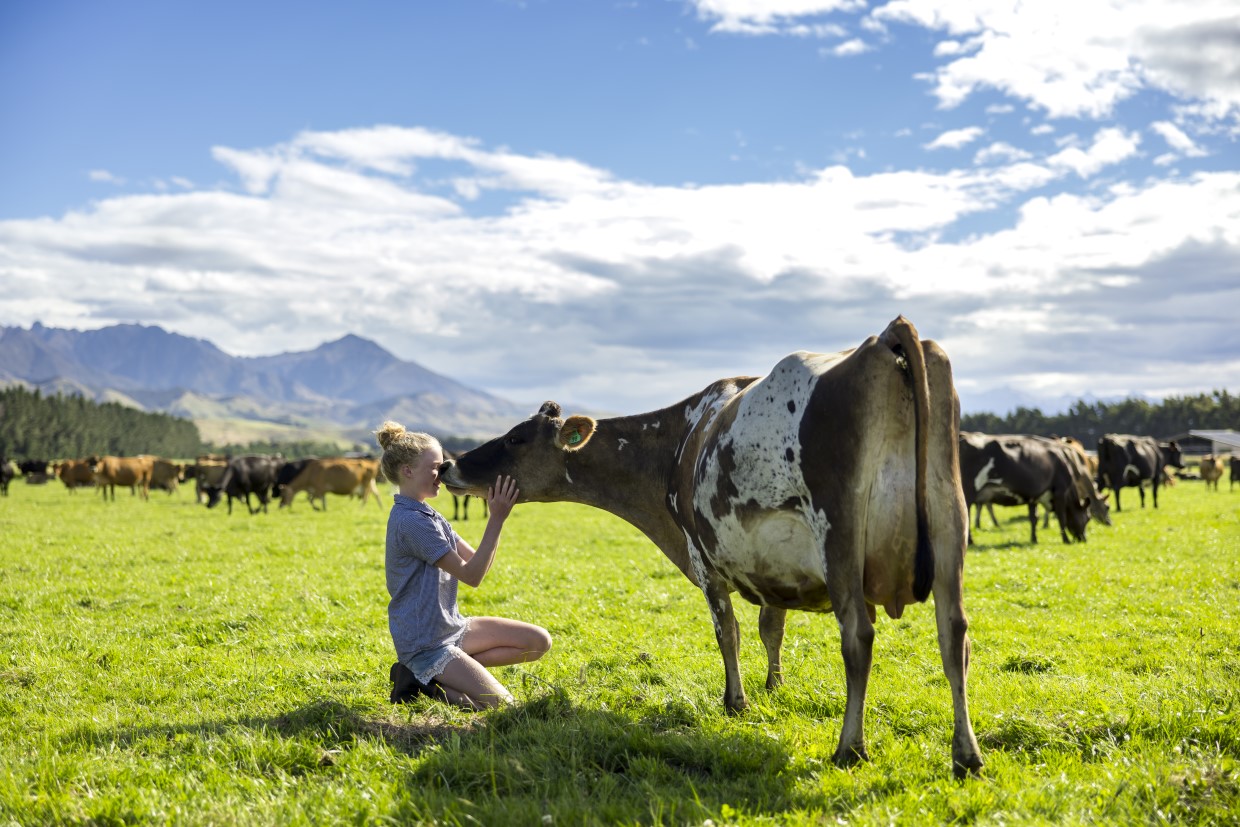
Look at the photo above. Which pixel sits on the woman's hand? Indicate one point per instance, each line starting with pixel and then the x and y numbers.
pixel 502 496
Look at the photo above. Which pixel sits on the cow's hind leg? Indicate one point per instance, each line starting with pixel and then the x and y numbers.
pixel 954 648
pixel 857 647
pixel 771 630
pixel 1033 522
pixel 727 633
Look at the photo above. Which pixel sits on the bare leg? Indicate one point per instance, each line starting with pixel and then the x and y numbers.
pixel 499 641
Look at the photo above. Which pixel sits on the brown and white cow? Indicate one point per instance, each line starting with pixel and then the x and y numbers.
pixel 830 485
pixel 131 471
pixel 1211 470
pixel 343 476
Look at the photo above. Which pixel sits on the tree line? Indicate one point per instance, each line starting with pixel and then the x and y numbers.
pixel 1087 421
pixel 34 426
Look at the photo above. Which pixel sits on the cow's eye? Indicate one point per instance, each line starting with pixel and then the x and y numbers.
pixel 514 440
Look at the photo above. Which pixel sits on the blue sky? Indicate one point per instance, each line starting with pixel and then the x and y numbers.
pixel 613 203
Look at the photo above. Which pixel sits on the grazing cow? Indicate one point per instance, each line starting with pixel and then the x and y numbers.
pixel 131 471
pixel 165 475
pixel 243 476
pixel 1211 470
pixel 6 475
pixel 1016 469
pixel 205 472
pixel 830 485
pixel 77 473
pixel 1129 461
pixel 344 476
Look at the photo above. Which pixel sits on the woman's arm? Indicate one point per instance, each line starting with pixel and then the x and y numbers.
pixel 472 566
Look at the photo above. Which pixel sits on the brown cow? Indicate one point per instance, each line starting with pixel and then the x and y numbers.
pixel 206 472
pixel 132 471
pixel 166 475
pixel 1211 470
pixel 76 473
pixel 340 476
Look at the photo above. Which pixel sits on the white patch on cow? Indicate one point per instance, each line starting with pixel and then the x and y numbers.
pixel 1132 469
pixel 622 442
pixel 567 477
pixel 983 477
pixel 773 545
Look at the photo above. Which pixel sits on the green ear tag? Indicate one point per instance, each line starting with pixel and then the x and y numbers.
pixel 575 438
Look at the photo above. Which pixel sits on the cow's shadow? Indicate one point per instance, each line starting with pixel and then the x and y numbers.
pixel 661 761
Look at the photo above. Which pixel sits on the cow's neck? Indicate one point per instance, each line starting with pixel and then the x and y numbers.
pixel 625 470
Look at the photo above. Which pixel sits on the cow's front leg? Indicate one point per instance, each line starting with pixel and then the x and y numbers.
pixel 727 633
pixel 1033 522
pixel 857 647
pixel 771 630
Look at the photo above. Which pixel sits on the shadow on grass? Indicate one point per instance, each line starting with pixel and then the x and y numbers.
pixel 512 765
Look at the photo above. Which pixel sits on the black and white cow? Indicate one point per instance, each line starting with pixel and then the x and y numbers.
pixel 246 475
pixel 1018 469
pixel 1131 461
pixel 830 485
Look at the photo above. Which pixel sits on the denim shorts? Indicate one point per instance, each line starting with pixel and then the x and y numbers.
pixel 430 663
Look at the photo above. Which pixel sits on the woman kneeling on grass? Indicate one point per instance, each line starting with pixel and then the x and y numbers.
pixel 439 653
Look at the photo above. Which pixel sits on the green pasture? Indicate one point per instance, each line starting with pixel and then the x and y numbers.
pixel 162 663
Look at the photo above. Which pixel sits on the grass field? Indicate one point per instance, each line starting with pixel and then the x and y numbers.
pixel 162 663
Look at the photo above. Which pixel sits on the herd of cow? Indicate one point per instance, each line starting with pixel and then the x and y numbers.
pixel 1063 478
pixel 215 478
pixel 251 477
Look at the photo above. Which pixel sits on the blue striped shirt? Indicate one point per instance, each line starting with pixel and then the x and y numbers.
pixel 422 613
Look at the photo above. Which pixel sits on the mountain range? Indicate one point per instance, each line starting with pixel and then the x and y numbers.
pixel 341 390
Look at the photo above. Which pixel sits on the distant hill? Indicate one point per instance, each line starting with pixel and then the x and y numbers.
pixel 340 390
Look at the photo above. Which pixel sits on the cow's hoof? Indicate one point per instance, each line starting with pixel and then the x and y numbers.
pixel 846 757
pixel 735 707
pixel 774 681
pixel 968 766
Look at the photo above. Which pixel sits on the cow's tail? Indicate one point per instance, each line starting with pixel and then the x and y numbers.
pixel 910 347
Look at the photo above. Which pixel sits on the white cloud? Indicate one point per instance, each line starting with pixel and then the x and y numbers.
pixel 1177 140
pixel 849 48
pixel 956 138
pixel 105 177
pixel 1069 60
pixel 763 17
pixel 1110 146
pixel 1082 59
pixel 586 286
pixel 1000 151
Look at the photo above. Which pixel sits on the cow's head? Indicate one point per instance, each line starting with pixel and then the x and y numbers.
pixel 1172 452
pixel 1098 507
pixel 213 493
pixel 534 453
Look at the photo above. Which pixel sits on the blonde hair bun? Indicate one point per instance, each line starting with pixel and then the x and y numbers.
pixel 389 433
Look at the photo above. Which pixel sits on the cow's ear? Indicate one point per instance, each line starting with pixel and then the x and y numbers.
pixel 550 409
pixel 575 433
